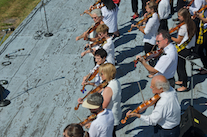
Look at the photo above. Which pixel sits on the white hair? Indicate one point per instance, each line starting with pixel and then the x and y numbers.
pixel 164 85
pixel 97 12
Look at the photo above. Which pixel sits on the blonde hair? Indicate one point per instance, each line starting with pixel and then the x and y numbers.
pixel 109 71
pixel 102 28
pixel 152 5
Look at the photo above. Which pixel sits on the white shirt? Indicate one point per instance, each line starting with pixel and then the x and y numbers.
pixel 205 15
pixel 164 9
pixel 109 47
pixel 103 125
pixel 196 5
pixel 92 34
pixel 151 28
pixel 167 64
pixel 115 102
pixel 110 18
pixel 97 79
pixel 167 111
pixel 183 32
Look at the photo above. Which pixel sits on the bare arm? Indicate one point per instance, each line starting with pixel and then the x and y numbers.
pixel 107 95
pixel 178 39
pixel 148 67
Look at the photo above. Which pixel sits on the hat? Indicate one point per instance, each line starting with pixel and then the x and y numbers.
pixel 93 101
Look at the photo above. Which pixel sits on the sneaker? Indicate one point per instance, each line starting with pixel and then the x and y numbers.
pixel 135 16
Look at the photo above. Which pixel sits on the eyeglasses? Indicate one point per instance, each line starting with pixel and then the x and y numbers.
pixel 94 17
pixel 158 41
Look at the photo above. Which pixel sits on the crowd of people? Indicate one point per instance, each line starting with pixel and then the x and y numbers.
pixel 105 104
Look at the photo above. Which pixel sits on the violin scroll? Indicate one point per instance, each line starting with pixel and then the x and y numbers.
pixel 123 121
pixel 77 107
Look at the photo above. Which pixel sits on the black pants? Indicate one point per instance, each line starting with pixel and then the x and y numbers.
pixel 163 25
pixel 114 134
pixel 202 51
pixel 181 70
pixel 180 4
pixel 143 6
pixel 134 4
pixel 160 132
pixel 172 82
pixel 147 48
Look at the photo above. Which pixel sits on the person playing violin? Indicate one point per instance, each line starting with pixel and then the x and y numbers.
pixel 74 130
pixel 166 114
pixel 97 17
pixel 202 48
pixel 108 45
pixel 185 40
pixel 103 125
pixel 100 58
pixel 150 29
pixel 111 93
pixel 167 63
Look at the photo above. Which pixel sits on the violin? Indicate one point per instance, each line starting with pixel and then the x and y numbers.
pixel 92 29
pixel 139 22
pixel 179 25
pixel 143 106
pixel 91 76
pixel 190 3
pixel 89 119
pixel 144 19
pixel 101 41
pixel 150 55
pixel 200 10
pixel 176 28
pixel 102 85
pixel 99 1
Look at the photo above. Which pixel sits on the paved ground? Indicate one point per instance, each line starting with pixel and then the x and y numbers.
pixel 45 78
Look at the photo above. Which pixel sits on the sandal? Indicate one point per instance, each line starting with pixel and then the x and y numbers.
pixel 182 89
pixel 178 82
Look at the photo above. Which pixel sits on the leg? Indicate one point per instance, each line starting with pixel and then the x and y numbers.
pixel 181 70
pixel 172 82
pixel 143 6
pixel 163 25
pixel 114 134
pixel 180 4
pixel 134 4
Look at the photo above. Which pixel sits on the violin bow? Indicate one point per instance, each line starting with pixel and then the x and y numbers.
pixel 78 118
pixel 140 90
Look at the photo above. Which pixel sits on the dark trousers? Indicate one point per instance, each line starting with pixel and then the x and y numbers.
pixel 181 70
pixel 171 6
pixel 180 4
pixel 172 82
pixel 134 5
pixel 160 132
pixel 163 25
pixel 202 51
pixel 147 48
pixel 143 6
pixel 114 134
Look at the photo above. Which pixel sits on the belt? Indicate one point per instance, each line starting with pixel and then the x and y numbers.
pixel 167 129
